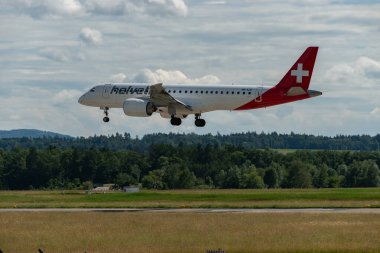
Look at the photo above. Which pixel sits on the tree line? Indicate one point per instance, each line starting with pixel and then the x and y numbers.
pixel 166 166
pixel 244 140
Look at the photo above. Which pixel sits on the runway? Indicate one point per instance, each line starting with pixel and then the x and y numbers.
pixel 196 210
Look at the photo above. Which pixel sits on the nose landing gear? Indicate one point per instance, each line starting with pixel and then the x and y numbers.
pixel 106 118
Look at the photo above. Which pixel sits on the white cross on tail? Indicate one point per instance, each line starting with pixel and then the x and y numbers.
pixel 299 72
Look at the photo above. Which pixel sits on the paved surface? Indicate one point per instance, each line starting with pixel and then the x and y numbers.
pixel 196 210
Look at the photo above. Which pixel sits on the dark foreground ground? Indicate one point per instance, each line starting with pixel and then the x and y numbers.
pixel 314 231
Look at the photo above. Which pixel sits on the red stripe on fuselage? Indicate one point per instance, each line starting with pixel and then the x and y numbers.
pixel 273 96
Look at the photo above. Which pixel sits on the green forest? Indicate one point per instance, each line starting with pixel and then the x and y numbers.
pixel 167 162
pixel 244 140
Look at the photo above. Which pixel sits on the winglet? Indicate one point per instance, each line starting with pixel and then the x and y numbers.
pixel 299 75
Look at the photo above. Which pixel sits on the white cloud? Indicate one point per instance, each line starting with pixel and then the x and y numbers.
pixel 91 36
pixel 75 8
pixel 171 76
pixel 64 7
pixel 217 2
pixel 375 112
pixel 66 95
pixel 176 7
pixel 61 54
pixel 41 8
pixel 151 7
pixel 109 7
pixel 118 78
pixel 362 72
pixel 368 67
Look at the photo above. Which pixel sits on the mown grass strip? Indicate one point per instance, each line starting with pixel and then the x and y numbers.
pixel 197 198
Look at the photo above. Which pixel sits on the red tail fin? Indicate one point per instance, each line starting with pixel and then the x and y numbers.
pixel 299 75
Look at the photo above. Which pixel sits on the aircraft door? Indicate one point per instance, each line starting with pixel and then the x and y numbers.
pixel 259 93
pixel 106 91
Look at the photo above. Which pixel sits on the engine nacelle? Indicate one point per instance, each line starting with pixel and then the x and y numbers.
pixel 138 107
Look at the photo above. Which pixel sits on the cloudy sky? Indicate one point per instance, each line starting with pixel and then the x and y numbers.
pixel 51 51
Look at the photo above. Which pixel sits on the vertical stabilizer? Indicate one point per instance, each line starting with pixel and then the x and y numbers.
pixel 299 75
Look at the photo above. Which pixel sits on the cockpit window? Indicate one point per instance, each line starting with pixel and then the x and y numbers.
pixel 92 90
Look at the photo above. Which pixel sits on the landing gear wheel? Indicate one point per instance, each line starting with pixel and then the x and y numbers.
pixel 199 122
pixel 106 119
pixel 175 121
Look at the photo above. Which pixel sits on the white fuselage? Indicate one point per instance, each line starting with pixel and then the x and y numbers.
pixel 202 98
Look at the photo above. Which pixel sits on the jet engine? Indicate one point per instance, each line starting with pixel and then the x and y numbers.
pixel 138 107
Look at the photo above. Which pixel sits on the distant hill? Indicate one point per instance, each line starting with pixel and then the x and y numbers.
pixel 29 133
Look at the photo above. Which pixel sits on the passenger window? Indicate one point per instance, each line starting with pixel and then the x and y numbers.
pixel 244 93
pixel 211 92
pixel 173 91
pixel 249 93
pixel 232 92
pixel 238 92
pixel 196 91
pixel 191 91
pixel 202 91
pixel 180 91
pixel 216 92
pixel 221 92
pixel 226 92
pixel 206 91
pixel 185 91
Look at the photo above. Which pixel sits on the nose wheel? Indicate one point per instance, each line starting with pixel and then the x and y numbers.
pixel 106 118
pixel 199 122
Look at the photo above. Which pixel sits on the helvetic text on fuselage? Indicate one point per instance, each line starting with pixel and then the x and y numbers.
pixel 130 90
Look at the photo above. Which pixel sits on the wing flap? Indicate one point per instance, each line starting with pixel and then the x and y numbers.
pixel 161 98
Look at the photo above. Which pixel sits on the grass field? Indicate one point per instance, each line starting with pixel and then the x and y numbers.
pixel 188 232
pixel 280 198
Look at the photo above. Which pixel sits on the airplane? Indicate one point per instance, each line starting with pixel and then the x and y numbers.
pixel 177 101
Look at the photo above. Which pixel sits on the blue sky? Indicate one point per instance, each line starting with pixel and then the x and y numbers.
pixel 51 51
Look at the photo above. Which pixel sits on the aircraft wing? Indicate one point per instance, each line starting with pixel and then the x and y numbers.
pixel 161 98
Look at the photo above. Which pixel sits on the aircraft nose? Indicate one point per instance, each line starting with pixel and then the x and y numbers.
pixel 81 99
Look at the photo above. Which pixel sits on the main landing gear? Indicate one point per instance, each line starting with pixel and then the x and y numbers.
pixel 106 118
pixel 175 121
pixel 198 121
